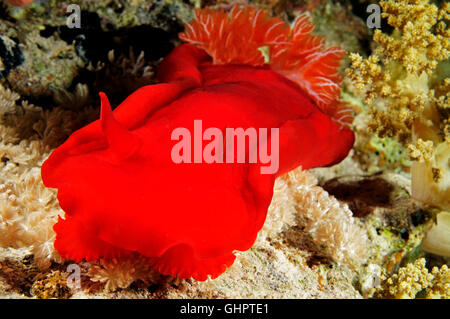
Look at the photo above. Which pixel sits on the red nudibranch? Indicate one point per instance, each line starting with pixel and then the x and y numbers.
pixel 121 190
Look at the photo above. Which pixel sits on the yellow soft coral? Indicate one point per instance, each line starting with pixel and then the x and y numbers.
pixel 408 99
pixel 396 79
pixel 414 278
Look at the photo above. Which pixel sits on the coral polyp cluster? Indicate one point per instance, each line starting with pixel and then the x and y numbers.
pixel 330 223
pixel 28 210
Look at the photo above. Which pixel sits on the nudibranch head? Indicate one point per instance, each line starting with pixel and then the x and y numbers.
pixel 122 188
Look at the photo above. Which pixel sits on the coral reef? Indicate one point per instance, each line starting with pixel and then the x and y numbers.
pixel 408 98
pixel 305 249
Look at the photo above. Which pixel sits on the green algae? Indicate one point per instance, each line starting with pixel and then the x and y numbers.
pixel 50 64
pixel 391 150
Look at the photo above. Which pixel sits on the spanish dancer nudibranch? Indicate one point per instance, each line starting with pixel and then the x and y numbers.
pixel 123 193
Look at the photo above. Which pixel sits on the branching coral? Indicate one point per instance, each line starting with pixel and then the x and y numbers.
pixel 408 99
pixel 414 278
